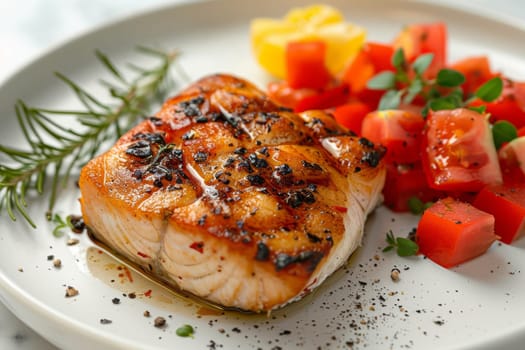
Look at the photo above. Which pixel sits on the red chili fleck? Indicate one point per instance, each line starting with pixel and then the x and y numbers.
pixel 142 255
pixel 340 209
pixel 148 293
pixel 198 246
pixel 128 274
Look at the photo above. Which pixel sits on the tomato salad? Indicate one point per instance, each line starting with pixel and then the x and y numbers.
pixel 454 131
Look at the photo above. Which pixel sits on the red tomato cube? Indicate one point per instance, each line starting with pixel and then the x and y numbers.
pixel 510 106
pixel 305 65
pixel 507 204
pixel 476 70
pixel 360 70
pixel 380 55
pixel 281 93
pixel 404 182
pixel 351 115
pixel 399 131
pixel 459 152
pixel 512 161
pixel 326 98
pixel 418 39
pixel 452 232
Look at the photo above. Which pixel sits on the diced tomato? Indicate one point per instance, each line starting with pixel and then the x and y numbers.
pixel 359 72
pixel 372 59
pixel 467 197
pixel 380 55
pixel 451 232
pixel 459 152
pixel 476 71
pixel 351 115
pixel 512 161
pixel 412 108
pixel 507 204
pixel 324 99
pixel 306 99
pixel 281 93
pixel 404 182
pixel 305 65
pixel 418 39
pixel 399 131
pixel 521 132
pixel 505 108
pixel 510 106
pixel 369 96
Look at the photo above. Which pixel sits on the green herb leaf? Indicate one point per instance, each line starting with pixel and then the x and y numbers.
pixel 432 93
pixel 502 132
pixel 456 95
pixel 402 77
pixel 398 59
pixel 60 225
pixel 382 81
pixel 442 103
pixel 479 109
pixel 390 237
pixel 388 248
pixel 415 205
pixel 449 78
pixel 185 331
pixel 406 247
pixel 404 86
pixel 390 100
pixel 413 90
pixel 421 64
pixel 491 90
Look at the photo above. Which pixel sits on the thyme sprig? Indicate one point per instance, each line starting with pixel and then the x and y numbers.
pixel 408 81
pixel 60 141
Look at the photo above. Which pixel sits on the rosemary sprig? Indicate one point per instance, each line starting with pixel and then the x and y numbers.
pixel 56 146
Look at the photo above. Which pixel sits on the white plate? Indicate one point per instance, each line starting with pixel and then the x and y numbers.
pixel 476 305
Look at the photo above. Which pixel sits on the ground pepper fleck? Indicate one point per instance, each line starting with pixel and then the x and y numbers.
pixel 57 263
pixel 77 223
pixel 394 274
pixel 72 241
pixel 159 322
pixel 71 292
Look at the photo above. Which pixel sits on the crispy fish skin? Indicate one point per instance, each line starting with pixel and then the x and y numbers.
pixel 232 198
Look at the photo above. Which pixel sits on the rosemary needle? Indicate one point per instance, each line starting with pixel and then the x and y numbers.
pixel 54 149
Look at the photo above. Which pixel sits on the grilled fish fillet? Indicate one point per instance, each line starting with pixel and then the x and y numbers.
pixel 232 198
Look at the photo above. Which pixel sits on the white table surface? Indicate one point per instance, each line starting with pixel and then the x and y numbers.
pixel 30 27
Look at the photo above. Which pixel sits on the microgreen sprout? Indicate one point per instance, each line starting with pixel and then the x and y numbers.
pixel 403 246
